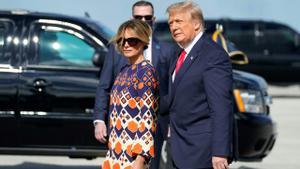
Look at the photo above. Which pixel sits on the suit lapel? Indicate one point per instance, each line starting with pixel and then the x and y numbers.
pixel 173 64
pixel 185 66
pixel 171 70
pixel 189 60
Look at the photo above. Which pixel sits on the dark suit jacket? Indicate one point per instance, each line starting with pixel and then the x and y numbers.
pixel 114 62
pixel 201 106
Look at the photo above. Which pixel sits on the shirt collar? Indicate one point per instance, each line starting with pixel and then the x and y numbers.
pixel 191 44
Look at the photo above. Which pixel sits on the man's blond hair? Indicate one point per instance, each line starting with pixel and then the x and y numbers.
pixel 190 7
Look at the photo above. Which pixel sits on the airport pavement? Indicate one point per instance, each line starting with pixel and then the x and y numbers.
pixel 284 90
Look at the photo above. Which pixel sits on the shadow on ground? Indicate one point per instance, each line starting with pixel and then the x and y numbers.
pixel 46 166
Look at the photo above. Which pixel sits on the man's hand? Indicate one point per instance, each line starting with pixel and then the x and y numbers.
pixel 138 163
pixel 220 162
pixel 100 132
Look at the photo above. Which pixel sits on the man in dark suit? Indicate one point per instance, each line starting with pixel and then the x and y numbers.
pixel 159 54
pixel 200 94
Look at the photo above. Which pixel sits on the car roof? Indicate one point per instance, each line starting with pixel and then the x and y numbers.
pixel 92 24
pixel 21 12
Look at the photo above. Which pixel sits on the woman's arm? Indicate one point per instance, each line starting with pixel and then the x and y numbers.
pixel 147 103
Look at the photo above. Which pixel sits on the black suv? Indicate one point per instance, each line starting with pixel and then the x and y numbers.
pixel 273 48
pixel 49 70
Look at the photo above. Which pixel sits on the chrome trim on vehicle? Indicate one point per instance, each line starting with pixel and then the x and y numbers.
pixel 79 28
pixel 8 68
pixel 268 100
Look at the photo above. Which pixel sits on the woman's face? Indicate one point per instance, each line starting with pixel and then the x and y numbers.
pixel 132 47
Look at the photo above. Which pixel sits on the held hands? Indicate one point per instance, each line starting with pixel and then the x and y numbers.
pixel 138 163
pixel 220 162
pixel 100 132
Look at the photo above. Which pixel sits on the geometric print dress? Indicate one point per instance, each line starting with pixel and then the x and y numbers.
pixel 132 116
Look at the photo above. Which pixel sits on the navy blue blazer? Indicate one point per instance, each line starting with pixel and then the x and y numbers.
pixel 201 106
pixel 114 62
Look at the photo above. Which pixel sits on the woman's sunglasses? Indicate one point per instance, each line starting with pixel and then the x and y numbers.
pixel 130 41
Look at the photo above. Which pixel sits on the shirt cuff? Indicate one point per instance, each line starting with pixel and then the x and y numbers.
pixel 98 121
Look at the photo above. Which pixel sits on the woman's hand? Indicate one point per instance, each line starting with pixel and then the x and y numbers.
pixel 138 163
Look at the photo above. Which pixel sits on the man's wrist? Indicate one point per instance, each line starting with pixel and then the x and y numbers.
pixel 98 121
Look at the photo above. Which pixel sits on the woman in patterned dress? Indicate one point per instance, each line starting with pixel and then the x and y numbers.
pixel 133 102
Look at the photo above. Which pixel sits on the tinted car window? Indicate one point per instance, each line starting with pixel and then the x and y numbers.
pixel 5 39
pixel 244 35
pixel 64 49
pixel 278 39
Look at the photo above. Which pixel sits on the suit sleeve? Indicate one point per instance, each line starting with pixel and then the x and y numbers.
pixel 218 87
pixel 106 80
pixel 168 54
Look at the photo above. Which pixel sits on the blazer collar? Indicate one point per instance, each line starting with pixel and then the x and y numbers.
pixel 177 51
pixel 189 60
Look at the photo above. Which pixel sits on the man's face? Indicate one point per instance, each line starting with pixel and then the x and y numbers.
pixel 183 28
pixel 143 13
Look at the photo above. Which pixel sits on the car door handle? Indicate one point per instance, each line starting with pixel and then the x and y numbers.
pixel 40 83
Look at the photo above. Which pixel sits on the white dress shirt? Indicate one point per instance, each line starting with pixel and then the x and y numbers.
pixel 188 49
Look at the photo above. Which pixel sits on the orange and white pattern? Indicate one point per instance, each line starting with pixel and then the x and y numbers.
pixel 133 114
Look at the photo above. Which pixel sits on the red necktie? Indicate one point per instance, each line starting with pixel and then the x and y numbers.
pixel 180 61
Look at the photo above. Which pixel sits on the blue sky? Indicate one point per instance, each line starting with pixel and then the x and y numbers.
pixel 114 12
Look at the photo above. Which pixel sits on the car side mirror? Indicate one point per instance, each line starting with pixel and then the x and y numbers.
pixel 99 57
